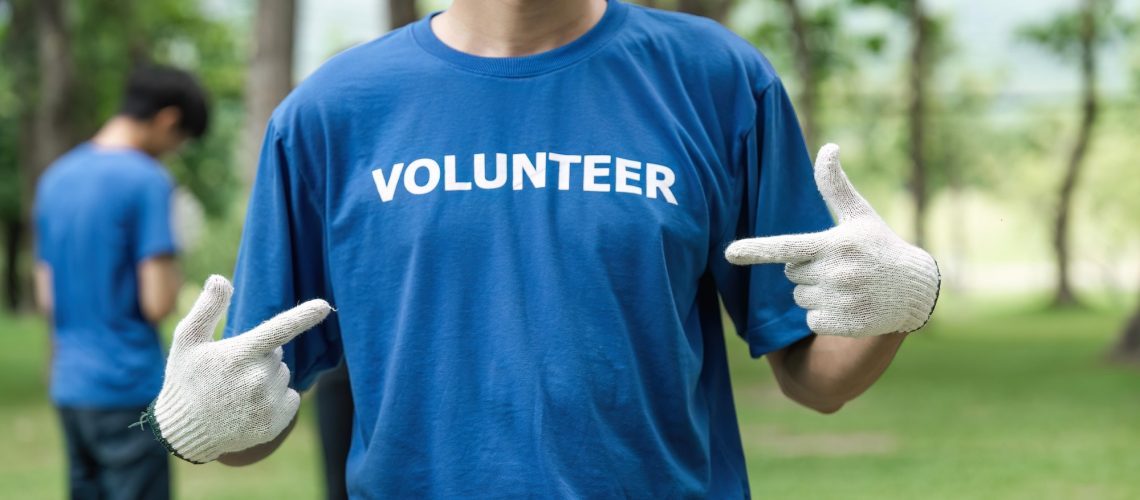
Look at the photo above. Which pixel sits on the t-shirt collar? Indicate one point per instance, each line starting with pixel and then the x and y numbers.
pixel 525 66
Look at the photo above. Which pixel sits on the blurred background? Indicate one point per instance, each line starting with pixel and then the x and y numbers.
pixel 1000 135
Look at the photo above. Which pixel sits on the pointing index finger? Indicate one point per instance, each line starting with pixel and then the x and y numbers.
pixel 784 249
pixel 284 327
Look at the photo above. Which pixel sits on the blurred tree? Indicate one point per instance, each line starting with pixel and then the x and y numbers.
pixel 919 71
pixel 270 76
pixel 10 132
pixel 805 62
pixel 929 45
pixel 1127 349
pixel 401 12
pixel 37 50
pixel 961 158
pixel 1075 36
pixel 17 47
pixel 52 131
pixel 10 220
pixel 811 40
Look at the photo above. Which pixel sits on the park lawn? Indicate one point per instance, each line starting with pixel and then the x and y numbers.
pixel 991 401
pixel 996 399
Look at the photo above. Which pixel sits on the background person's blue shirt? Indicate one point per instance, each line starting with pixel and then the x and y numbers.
pixel 99 213
pixel 514 332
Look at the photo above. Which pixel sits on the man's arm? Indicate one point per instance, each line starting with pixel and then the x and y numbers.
pixel 257 453
pixel 159 281
pixel 825 372
pixel 858 282
pixel 45 301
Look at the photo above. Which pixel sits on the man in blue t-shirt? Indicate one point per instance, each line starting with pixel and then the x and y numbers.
pixel 106 274
pixel 521 211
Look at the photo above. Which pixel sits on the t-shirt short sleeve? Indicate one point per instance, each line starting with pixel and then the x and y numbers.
pixel 281 261
pixel 153 232
pixel 778 195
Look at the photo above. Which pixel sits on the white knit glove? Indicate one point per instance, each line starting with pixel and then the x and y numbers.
pixel 856 279
pixel 232 394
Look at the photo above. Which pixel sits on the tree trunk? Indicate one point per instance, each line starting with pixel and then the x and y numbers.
pixel 401 13
pixel 270 76
pixel 48 132
pixel 1127 349
pixel 56 84
pixel 18 51
pixel 13 245
pixel 716 10
pixel 805 71
pixel 916 113
pixel 1063 295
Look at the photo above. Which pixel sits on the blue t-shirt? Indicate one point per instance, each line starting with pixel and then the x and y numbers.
pixel 99 213
pixel 526 255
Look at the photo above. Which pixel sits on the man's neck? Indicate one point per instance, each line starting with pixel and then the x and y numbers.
pixel 513 28
pixel 120 132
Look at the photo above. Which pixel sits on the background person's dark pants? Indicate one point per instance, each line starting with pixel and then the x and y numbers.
pixel 334 421
pixel 108 460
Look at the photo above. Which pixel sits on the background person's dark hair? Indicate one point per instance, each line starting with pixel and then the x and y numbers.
pixel 151 88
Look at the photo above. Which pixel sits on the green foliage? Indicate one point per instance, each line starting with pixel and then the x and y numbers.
pixel 966 150
pixel 14 67
pixel 1061 35
pixel 958 153
pixel 940 45
pixel 9 139
pixel 835 52
pixel 1111 180
pixel 899 6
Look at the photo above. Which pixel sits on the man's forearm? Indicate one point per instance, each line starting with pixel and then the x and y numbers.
pixel 44 296
pixel 825 372
pixel 159 281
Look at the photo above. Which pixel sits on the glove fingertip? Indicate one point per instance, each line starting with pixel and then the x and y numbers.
pixel 218 284
pixel 828 152
pixel 313 312
pixel 322 304
pixel 746 252
pixel 735 254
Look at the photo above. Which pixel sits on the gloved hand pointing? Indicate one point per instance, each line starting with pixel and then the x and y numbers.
pixel 856 279
pixel 227 395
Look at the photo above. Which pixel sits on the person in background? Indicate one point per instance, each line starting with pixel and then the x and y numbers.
pixel 106 274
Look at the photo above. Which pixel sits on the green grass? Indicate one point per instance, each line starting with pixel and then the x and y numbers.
pixel 989 402
pixel 994 400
